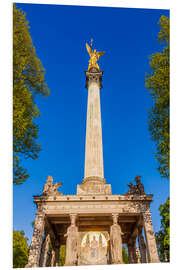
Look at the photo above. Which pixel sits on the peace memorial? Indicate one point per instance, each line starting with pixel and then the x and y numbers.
pixel 94 223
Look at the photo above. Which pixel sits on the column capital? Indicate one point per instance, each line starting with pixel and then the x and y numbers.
pixel 93 75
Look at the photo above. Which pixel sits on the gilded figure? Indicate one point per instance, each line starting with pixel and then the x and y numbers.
pixel 94 57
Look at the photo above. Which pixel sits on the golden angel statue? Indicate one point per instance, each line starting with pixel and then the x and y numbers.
pixel 94 57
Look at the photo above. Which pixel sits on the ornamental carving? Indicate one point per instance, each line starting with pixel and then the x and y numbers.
pixel 93 76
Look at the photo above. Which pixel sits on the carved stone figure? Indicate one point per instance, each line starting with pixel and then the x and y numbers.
pixel 94 57
pixel 139 185
pixel 137 189
pixel 94 248
pixel 50 188
pixel 72 243
pixel 116 242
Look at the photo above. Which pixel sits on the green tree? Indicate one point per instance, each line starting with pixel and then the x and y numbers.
pixel 20 249
pixel 28 81
pixel 125 255
pixel 157 82
pixel 62 255
pixel 163 236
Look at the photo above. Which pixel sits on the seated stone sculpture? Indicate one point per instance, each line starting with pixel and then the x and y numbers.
pixel 137 189
pixel 50 188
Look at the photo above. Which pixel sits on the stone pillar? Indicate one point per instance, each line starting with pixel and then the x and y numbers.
pixel 138 255
pixel 72 243
pixel 142 245
pixel 116 241
pixel 45 249
pixel 94 151
pixel 36 244
pixel 57 250
pixel 132 251
pixel 52 263
pixel 150 238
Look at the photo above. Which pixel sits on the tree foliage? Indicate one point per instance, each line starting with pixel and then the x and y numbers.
pixel 163 236
pixel 62 255
pixel 125 255
pixel 157 82
pixel 20 249
pixel 28 81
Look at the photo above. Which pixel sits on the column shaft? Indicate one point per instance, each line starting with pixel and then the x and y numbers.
pixel 52 257
pixel 36 244
pixel 57 251
pixel 94 151
pixel 44 251
pixel 142 246
pixel 132 251
pixel 150 238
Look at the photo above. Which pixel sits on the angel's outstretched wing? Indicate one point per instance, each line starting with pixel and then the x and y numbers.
pixel 88 49
pixel 100 54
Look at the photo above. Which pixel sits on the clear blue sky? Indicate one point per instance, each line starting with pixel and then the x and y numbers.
pixel 128 36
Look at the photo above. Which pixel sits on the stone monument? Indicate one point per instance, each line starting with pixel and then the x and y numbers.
pixel 94 223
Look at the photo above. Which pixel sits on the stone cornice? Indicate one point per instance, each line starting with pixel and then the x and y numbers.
pixel 103 198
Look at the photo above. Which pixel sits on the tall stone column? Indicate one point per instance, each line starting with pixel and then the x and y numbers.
pixel 72 243
pixel 44 251
pixel 94 151
pixel 94 182
pixel 116 241
pixel 142 245
pixel 150 238
pixel 36 244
